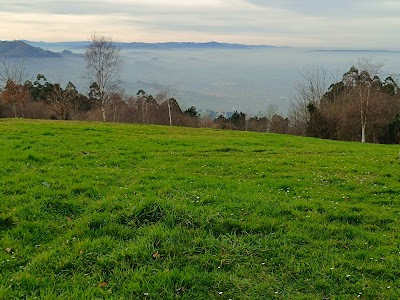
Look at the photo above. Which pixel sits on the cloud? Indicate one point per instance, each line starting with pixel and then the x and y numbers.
pixel 338 9
pixel 310 7
pixel 284 22
pixel 92 7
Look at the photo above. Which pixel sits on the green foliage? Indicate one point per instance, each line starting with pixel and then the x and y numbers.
pixel 111 211
pixel 40 89
pixel 237 121
pixel 192 112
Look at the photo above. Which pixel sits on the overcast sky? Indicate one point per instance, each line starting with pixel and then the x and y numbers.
pixel 310 23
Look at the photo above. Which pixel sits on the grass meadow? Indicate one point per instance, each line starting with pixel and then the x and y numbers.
pixel 112 211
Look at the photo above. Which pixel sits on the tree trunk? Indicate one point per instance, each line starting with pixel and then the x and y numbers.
pixel 145 118
pixel 22 110
pixel 363 133
pixel 363 123
pixel 169 112
pixel 114 111
pixel 14 107
pixel 103 111
pixel 363 126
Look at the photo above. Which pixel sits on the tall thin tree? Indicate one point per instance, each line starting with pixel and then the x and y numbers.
pixel 165 92
pixel 361 78
pixel 103 67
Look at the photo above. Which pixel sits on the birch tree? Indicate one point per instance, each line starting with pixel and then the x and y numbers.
pixel 363 78
pixel 270 111
pixel 103 67
pixel 165 96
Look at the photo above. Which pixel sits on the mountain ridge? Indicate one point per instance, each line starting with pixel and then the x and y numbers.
pixel 143 45
pixel 21 49
pixel 42 49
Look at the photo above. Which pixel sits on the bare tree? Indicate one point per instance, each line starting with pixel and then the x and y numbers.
pixel 165 93
pixel 311 86
pixel 12 78
pixel 62 101
pixel 118 106
pixel 15 71
pixel 143 101
pixel 270 111
pixel 103 67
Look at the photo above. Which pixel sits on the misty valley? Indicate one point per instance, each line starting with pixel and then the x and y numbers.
pixel 222 80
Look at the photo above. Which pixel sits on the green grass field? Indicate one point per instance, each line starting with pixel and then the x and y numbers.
pixel 111 211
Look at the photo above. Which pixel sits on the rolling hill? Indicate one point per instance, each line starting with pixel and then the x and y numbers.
pixel 19 49
pixel 114 211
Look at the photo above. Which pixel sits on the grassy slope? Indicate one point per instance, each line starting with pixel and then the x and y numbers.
pixel 144 212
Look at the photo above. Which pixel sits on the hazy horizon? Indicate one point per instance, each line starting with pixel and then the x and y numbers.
pixel 306 23
pixel 52 44
pixel 221 80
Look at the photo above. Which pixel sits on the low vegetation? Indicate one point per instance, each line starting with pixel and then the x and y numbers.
pixel 112 211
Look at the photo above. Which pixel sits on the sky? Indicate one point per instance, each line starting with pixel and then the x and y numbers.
pixel 353 24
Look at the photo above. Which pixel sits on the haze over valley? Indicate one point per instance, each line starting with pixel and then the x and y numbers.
pixel 209 76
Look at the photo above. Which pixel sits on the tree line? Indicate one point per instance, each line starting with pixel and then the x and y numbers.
pixel 360 106
pixel 42 99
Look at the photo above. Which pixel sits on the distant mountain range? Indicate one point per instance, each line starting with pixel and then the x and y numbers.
pixel 30 49
pixel 189 45
pixel 140 45
pixel 20 49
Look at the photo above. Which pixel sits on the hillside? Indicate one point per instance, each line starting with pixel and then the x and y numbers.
pixel 19 49
pixel 112 211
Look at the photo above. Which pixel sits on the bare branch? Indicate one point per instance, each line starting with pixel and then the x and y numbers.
pixel 311 86
pixel 14 71
pixel 103 67
pixel 369 65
